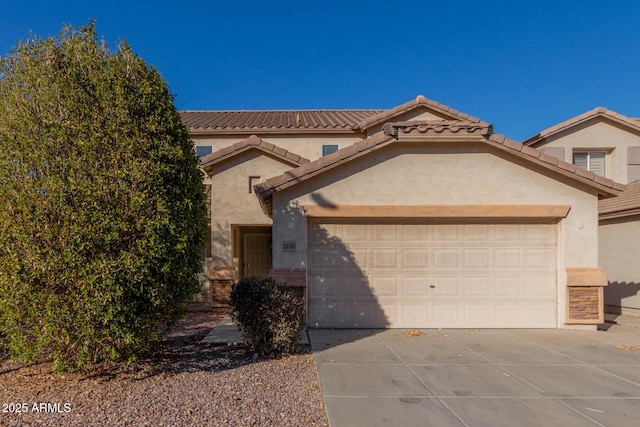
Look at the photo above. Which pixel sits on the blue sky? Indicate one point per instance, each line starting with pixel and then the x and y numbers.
pixel 522 66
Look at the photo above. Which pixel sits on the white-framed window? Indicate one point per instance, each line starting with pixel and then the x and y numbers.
pixel 203 150
pixel 329 148
pixel 594 161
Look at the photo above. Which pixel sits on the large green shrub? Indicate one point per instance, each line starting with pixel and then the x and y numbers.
pixel 269 316
pixel 102 211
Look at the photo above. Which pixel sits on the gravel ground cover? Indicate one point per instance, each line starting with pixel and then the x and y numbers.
pixel 188 384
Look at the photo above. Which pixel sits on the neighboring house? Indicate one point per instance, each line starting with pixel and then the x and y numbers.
pixel 619 239
pixel 599 140
pixel 422 217
pixel 607 143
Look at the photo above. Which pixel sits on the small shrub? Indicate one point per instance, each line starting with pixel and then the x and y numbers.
pixel 269 317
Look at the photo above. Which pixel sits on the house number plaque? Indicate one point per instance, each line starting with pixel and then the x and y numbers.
pixel 289 246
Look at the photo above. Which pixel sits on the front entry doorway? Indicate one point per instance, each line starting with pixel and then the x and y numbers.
pixel 254 254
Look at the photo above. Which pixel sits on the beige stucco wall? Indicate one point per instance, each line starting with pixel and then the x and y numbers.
pixel 598 135
pixel 441 174
pixel 307 146
pixel 619 250
pixel 232 203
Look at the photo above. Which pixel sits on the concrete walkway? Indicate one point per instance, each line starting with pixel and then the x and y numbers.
pixel 227 332
pixel 479 377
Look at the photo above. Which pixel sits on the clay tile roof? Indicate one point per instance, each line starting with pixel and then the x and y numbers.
pixel 252 120
pixel 625 205
pixel 389 115
pixel 252 142
pixel 539 138
pixel 260 121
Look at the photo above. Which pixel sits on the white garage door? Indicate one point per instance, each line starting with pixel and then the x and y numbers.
pixel 432 275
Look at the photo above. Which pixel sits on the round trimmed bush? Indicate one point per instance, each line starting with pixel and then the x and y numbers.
pixel 269 316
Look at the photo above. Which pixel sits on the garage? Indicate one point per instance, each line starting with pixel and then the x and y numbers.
pixel 439 225
pixel 416 275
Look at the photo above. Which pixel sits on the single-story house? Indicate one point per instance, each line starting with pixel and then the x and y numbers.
pixel 414 217
pixel 607 143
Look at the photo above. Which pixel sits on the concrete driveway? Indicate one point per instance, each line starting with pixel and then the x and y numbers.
pixel 479 377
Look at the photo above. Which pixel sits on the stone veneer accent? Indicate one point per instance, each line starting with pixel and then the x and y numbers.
pixel 584 303
pixel 221 279
pixel 585 295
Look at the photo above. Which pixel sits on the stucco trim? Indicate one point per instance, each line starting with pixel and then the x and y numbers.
pixel 221 272
pixel 439 211
pixel 586 276
pixel 292 277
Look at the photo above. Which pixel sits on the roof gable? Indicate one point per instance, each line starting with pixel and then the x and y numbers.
pixel 420 103
pixel 251 143
pixel 599 113
pixel 432 130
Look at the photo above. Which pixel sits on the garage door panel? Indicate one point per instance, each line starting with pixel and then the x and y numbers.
pixel 507 258
pixel 356 232
pixel 540 258
pixel 433 275
pixel 347 315
pixel 479 314
pixel 415 286
pixel 538 233
pixel 415 315
pixel 447 233
pixel 385 258
pixel 385 233
pixel 541 314
pixel 447 315
pixel 385 285
pixel 508 287
pixel 414 258
pixel 508 233
pixel 477 286
pixel 509 314
pixel 477 258
pixel 356 288
pixel 447 258
pixel 477 232
pixel 445 286
pixel 416 233
pixel 540 286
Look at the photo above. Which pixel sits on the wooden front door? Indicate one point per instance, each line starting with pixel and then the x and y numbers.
pixel 256 254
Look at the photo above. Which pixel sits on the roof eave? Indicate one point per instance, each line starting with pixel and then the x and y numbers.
pixel 253 142
pixel 619 214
